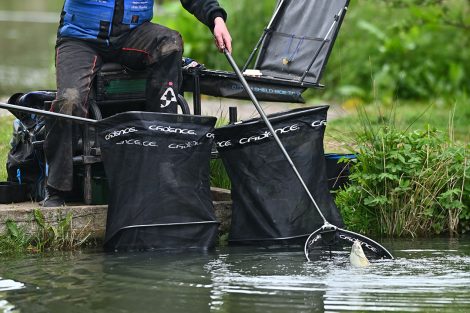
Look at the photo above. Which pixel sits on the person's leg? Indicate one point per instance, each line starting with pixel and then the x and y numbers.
pixel 161 49
pixel 76 65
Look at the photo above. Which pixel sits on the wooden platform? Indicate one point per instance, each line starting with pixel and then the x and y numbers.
pixel 92 218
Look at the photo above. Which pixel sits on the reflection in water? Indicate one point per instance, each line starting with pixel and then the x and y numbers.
pixel 155 282
pixel 6 307
pixel 248 281
pixel 6 285
pixel 242 279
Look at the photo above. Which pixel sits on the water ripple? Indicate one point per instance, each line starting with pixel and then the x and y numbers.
pixel 238 280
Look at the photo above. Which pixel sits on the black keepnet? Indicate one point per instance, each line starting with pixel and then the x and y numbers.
pixel 157 167
pixel 297 35
pixel 269 203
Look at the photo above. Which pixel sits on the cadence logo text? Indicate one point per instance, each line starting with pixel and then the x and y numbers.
pixel 319 123
pixel 138 142
pixel 223 144
pixel 266 134
pixel 185 145
pixel 120 132
pixel 169 129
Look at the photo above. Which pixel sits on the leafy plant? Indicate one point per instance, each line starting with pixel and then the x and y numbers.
pixel 47 237
pixel 60 236
pixel 15 240
pixel 406 182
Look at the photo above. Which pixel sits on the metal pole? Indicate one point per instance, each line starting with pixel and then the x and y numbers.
pixel 336 18
pixel 19 108
pixel 271 129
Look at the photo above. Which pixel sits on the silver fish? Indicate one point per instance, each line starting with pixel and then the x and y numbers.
pixel 357 257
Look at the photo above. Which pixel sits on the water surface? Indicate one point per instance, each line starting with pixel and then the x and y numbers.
pixel 427 275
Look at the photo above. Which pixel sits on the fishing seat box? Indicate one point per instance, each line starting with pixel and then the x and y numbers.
pixel 115 85
pixel 115 82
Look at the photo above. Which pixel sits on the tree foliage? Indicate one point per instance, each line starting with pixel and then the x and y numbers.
pixel 408 49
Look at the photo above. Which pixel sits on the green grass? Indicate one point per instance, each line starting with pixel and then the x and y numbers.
pixel 407 115
pixel 6 130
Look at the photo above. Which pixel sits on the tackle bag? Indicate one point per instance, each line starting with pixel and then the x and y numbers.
pixel 25 160
pixel 157 166
pixel 269 202
pixel 25 163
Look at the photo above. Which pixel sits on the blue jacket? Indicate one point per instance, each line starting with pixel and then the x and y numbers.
pixel 92 19
pixel 102 19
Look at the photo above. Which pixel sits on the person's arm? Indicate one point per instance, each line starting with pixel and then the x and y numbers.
pixel 211 14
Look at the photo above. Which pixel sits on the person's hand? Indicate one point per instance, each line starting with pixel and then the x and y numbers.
pixel 222 37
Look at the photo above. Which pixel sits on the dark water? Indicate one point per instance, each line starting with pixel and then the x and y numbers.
pixel 427 275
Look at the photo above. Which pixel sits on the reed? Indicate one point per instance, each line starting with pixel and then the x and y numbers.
pixel 219 176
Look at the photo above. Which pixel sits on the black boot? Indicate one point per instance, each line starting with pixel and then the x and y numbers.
pixel 54 198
